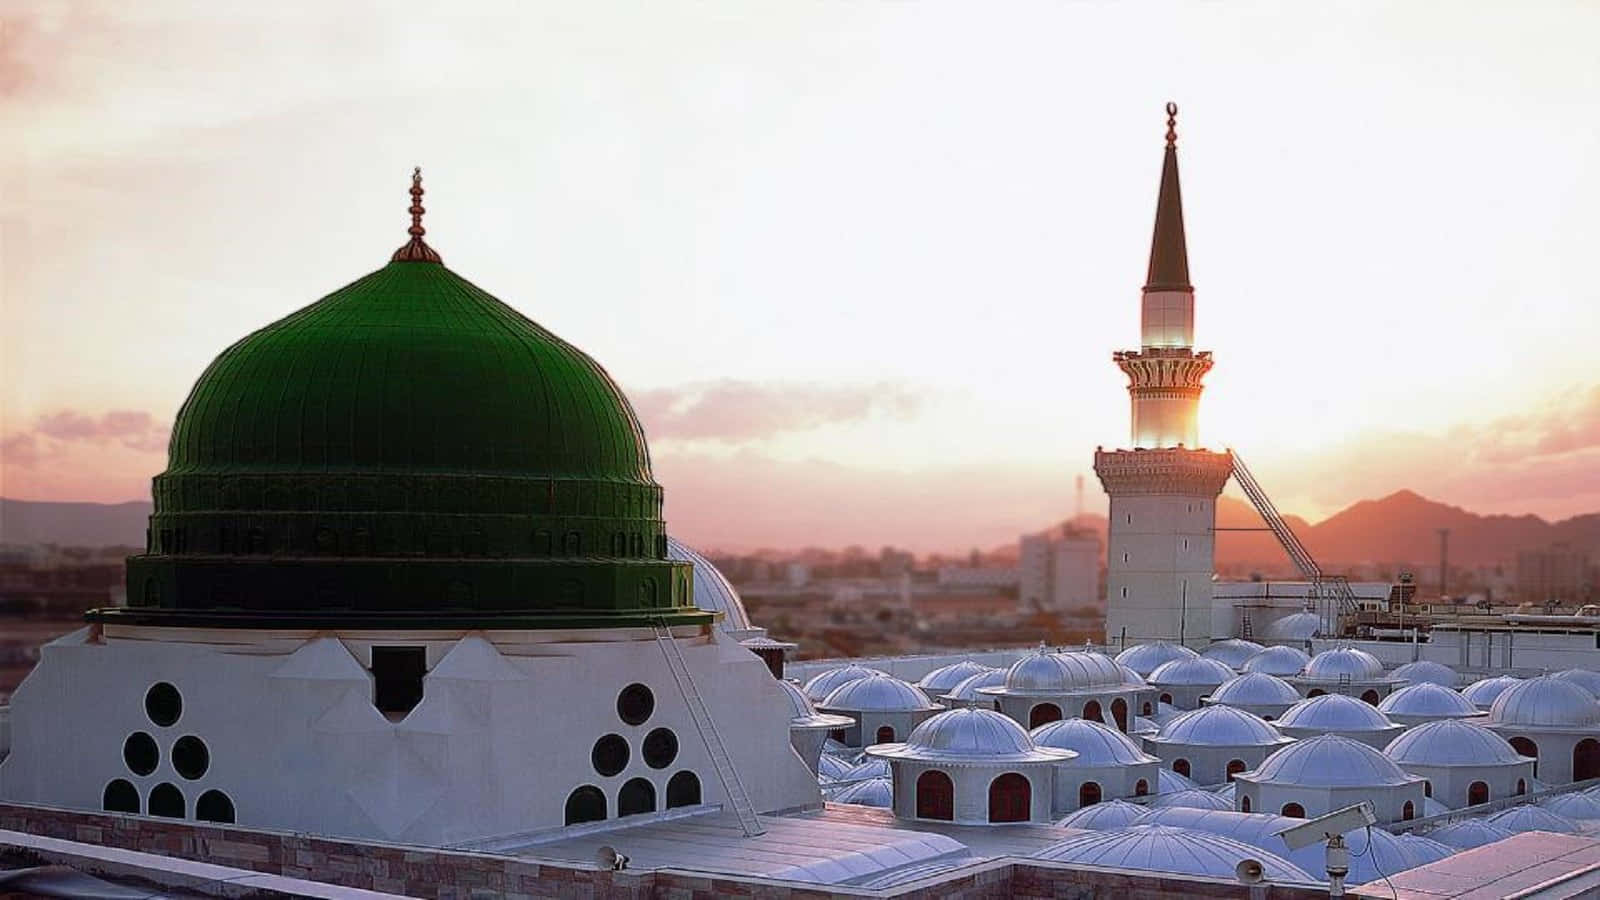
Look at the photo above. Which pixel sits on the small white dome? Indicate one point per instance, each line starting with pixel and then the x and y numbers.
pixel 803 715
pixel 1529 817
pixel 1425 850
pixel 1452 742
pixel 1095 744
pixel 1038 673
pixel 1232 652
pixel 1468 833
pixel 1331 665
pixel 1144 658
pixel 1546 702
pixel 823 684
pixel 1335 712
pixel 867 768
pixel 1254 689
pixel 1164 848
pixel 1086 669
pixel 1193 799
pixel 1428 699
pixel 878 792
pixel 1220 726
pixel 832 768
pixel 1103 816
pixel 876 693
pixel 1589 681
pixel 1279 661
pixel 1142 725
pixel 1131 678
pixel 1577 806
pixel 1300 626
pixel 1328 760
pixel 968 689
pixel 712 590
pixel 1432 807
pixel 1169 782
pixel 1228 792
pixel 1483 692
pixel 944 678
pixel 969 734
pixel 1427 670
pixel 1197 672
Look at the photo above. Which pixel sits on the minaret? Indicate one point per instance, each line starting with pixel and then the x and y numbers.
pixel 1159 558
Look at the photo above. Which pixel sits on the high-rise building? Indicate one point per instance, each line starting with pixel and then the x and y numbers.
pixel 1163 491
pixel 1058 570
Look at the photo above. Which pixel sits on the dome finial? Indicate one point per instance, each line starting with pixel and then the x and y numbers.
pixel 1172 124
pixel 416 249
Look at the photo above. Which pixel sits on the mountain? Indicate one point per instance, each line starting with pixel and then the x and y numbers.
pixel 73 524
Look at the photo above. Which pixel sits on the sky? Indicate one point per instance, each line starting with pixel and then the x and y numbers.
pixel 860 266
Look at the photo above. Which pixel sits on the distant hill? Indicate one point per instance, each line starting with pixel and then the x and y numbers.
pixel 73 524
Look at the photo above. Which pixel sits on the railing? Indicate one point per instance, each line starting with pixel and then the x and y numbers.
pixel 1493 806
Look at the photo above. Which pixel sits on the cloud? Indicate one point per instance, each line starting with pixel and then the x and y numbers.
pixel 134 429
pixel 20 449
pixel 734 411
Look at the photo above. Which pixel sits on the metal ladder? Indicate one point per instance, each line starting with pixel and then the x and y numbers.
pixel 718 751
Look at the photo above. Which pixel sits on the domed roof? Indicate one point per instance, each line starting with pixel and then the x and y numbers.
pixel 1131 678
pixel 1334 712
pixel 1198 671
pixel 1589 681
pixel 1427 670
pixel 1300 626
pixel 1469 833
pixel 1094 743
pixel 1331 665
pixel 1220 726
pixel 823 683
pixel 1102 816
pixel 1280 661
pixel 878 792
pixel 712 590
pixel 1232 652
pixel 1086 669
pixel 876 693
pixel 1430 700
pixel 1038 673
pixel 1193 798
pixel 1546 702
pixel 1168 781
pixel 870 767
pixel 406 452
pixel 1426 850
pixel 1529 817
pixel 803 715
pixel 1254 689
pixel 944 678
pixel 1328 760
pixel 831 768
pixel 1577 805
pixel 1452 742
pixel 1483 692
pixel 967 690
pixel 1228 792
pixel 1144 658
pixel 1165 848
pixel 969 734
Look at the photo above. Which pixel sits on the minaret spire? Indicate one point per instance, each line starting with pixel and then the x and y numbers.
pixel 416 249
pixel 1169 255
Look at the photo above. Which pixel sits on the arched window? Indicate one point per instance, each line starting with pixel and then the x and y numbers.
pixel 214 806
pixel 1010 796
pixel 936 796
pixel 1527 748
pixel 1522 786
pixel 885 734
pixel 1088 794
pixel 1091 711
pixel 638 795
pixel 1315 692
pixel 1166 698
pixel 1477 792
pixel 1141 788
pixel 1146 709
pixel 1586 760
pixel 1119 713
pixel 572 544
pixel 1408 812
pixel 683 789
pixel 1244 803
pixel 1371 697
pixel 1235 766
pixel 586 804
pixel 1042 713
pixel 166 800
pixel 1181 766
pixel 1427 788
pixel 120 796
pixel 1293 811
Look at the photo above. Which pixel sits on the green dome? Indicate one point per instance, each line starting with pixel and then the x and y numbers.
pixel 406 451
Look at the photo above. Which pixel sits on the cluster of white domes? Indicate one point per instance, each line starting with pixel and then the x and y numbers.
pixel 969 734
pixel 939 682
pixel 1546 702
pixel 1282 661
pixel 1062 673
pixel 823 684
pixel 970 689
pixel 877 792
pixel 1482 693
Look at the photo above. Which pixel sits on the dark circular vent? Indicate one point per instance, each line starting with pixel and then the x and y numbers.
pixel 660 748
pixel 190 757
pixel 139 751
pixel 163 704
pixel 166 800
pixel 610 755
pixel 214 806
pixel 120 796
pixel 635 704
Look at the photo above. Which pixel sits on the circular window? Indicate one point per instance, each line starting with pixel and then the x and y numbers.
pixel 190 757
pixel 163 704
pixel 635 704
pixel 610 755
pixel 660 748
pixel 139 751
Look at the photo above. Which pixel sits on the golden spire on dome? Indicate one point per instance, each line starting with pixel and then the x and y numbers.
pixel 416 249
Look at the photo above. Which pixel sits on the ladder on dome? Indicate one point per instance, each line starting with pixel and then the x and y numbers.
pixel 1329 593
pixel 718 751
